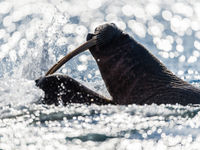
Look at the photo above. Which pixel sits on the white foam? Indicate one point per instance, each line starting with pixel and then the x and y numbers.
pixel 30 34
pixel 83 58
pixel 82 67
pixel 128 10
pixel 176 21
pixel 4 49
pixel 59 19
pixel 80 40
pixel 152 9
pixel 94 4
pixel 180 72
pixel 192 59
pixel 11 28
pixel 179 48
pixel 13 55
pixel 13 89
pixel 156 29
pixel 2 33
pixel 179 40
pixel 81 30
pixel 195 25
pixel 63 6
pixel 19 14
pixel 137 27
pixel 182 8
pixel 140 13
pixel 164 54
pixel 7 21
pixel 120 24
pixel 21 52
pixel 197 44
pixel 167 15
pixel 111 16
pixel 5 7
pixel 68 28
pixel 70 48
pixel 2 55
pixel 164 44
pixel 61 41
pixel 196 53
pixel 48 12
pixel 179 25
pixel 182 58
pixel 13 40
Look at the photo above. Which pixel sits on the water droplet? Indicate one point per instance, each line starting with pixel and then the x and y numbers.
pixel 94 4
pixel 137 27
pixel 167 15
pixel 127 10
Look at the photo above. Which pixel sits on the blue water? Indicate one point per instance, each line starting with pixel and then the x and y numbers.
pixel 34 34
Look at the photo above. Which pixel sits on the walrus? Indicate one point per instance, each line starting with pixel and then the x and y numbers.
pixel 132 75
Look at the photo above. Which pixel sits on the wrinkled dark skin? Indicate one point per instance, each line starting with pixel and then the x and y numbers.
pixel 131 73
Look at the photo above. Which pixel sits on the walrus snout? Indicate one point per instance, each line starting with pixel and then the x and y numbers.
pixel 105 33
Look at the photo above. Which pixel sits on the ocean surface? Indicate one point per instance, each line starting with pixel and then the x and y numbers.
pixel 35 34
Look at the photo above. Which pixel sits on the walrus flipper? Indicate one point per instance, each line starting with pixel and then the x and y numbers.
pixel 62 89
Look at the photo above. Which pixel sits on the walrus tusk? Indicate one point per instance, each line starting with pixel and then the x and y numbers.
pixel 66 58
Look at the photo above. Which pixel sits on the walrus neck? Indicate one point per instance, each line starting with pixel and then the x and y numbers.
pixel 130 72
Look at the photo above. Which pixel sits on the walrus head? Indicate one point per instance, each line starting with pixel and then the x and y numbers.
pixel 104 34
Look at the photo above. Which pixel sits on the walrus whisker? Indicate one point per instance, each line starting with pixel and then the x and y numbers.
pixel 66 58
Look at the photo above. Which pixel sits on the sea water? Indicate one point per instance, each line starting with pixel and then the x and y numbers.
pixel 35 34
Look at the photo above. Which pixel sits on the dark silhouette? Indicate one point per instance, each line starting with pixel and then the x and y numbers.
pixel 131 73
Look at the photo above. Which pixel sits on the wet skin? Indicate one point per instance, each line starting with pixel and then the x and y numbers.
pixel 131 73
pixel 62 89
